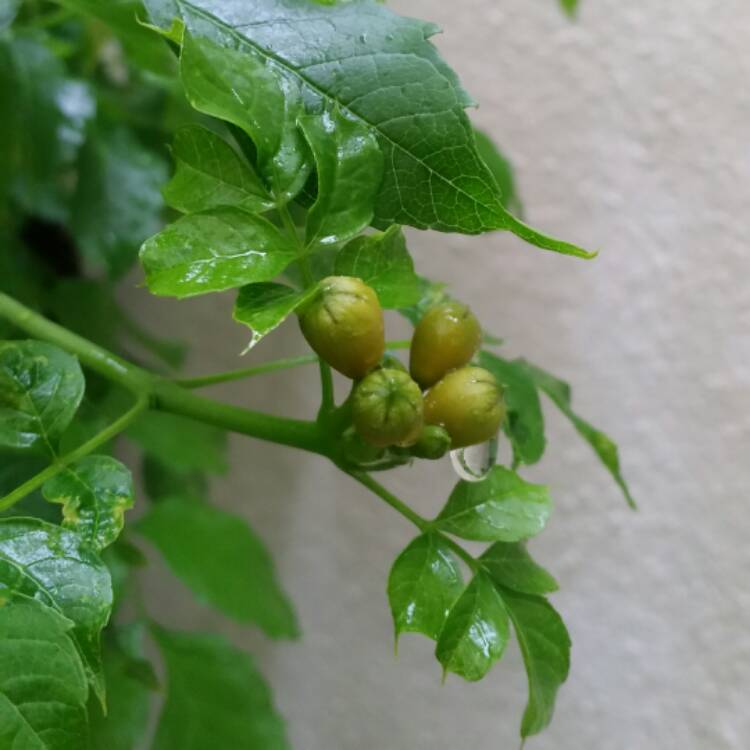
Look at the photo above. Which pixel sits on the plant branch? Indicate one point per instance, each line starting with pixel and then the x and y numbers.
pixel 83 450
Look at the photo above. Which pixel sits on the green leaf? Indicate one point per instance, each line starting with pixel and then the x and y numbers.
pixel 545 646
pixel 510 565
pixel 382 261
pixel 263 307
pixel 210 173
pixel 222 561
pixel 130 682
pixel 502 171
pixel 476 632
pixel 45 115
pixel 182 444
pixel 95 492
pixel 8 12
pixel 525 422
pixel 161 480
pixel 42 683
pixel 221 249
pixel 502 507
pixel 424 582
pixel 222 693
pixel 603 445
pixel 349 166
pixel 52 565
pixel 570 7
pixel 118 201
pixel 380 69
pixel 41 388
pixel 244 88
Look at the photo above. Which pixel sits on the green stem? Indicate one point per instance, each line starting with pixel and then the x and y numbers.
pixel 247 372
pixel 83 450
pixel 398 505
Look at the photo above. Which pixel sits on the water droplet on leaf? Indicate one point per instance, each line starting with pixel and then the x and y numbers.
pixel 472 464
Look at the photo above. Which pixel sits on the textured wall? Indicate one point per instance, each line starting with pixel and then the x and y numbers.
pixel 629 131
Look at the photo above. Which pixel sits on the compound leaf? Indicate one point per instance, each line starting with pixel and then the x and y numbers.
pixel 509 564
pixel 476 632
pixel 220 249
pixel 423 584
pixel 382 261
pixel 222 561
pixel 41 388
pixel 95 492
pixel 43 686
pixel 502 507
pixel 210 173
pixel 53 565
pixel 222 693
pixel 349 167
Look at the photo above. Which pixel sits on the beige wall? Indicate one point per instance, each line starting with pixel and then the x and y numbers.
pixel 630 131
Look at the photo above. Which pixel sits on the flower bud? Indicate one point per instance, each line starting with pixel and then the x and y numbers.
pixel 343 324
pixel 433 443
pixel 446 337
pixel 387 408
pixel 468 403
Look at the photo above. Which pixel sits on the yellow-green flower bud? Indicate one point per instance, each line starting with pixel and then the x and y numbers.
pixel 446 337
pixel 343 324
pixel 468 403
pixel 387 408
pixel 433 443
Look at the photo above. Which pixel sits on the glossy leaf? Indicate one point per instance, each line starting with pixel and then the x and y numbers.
pixel 382 70
pixel 50 564
pixel 41 388
pixel 502 507
pixel 43 686
pixel 476 631
pixel 245 88
pixel 210 173
pixel 130 682
pixel 525 422
pixel 263 307
pixel 349 167
pixel 509 564
pixel 222 561
pixel 181 444
pixel 603 445
pixel 545 646
pixel 219 688
pixel 501 170
pixel 383 262
pixel 221 249
pixel 118 201
pixel 94 493
pixel 424 582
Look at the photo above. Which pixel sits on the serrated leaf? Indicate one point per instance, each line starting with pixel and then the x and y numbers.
pixel 525 422
pixel 383 262
pixel 509 564
pixel 502 507
pixel 210 173
pixel 52 565
pixel 244 88
pixel 182 444
pixel 423 584
pixel 42 682
pixel 382 70
pixel 130 682
pixel 95 492
pixel 220 249
pixel 222 561
pixel 604 447
pixel 263 307
pixel 349 168
pixel 41 388
pixel 45 115
pixel 545 646
pixel 219 688
pixel 476 631
pixel 501 170
pixel 118 200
